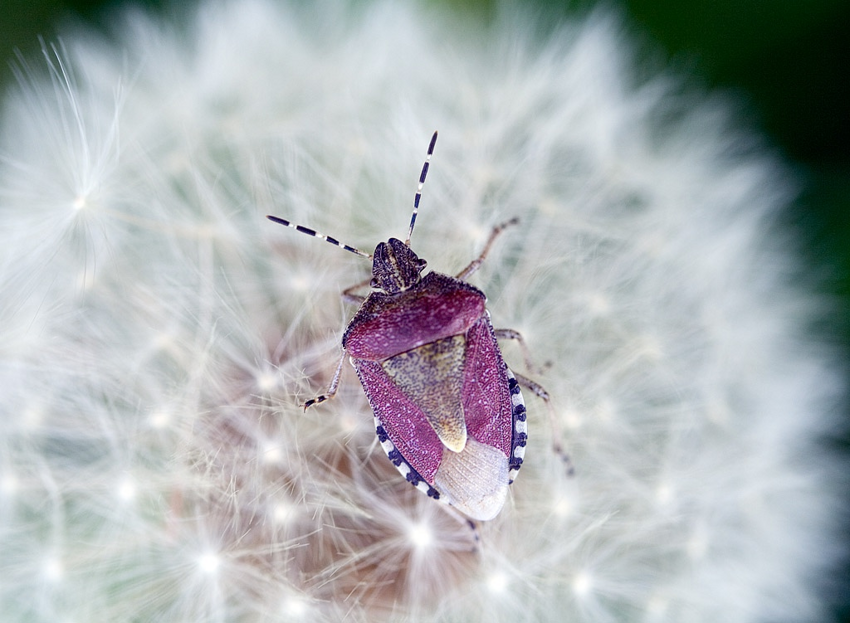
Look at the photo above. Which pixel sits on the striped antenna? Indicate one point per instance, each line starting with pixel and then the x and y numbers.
pixel 419 189
pixel 315 234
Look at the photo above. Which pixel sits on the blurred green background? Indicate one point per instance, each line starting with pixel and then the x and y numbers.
pixel 786 61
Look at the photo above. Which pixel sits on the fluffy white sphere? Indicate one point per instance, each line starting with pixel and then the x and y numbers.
pixel 158 332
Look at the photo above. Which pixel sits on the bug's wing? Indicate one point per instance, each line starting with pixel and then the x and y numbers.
pixel 402 421
pixel 475 480
pixel 487 397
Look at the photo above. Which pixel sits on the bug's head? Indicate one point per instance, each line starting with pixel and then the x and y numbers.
pixel 395 267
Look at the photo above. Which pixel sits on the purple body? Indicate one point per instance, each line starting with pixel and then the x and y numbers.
pixel 436 308
pixel 448 411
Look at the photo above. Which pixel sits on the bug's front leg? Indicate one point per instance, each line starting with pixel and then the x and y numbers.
pixel 331 390
pixel 355 299
pixel 476 263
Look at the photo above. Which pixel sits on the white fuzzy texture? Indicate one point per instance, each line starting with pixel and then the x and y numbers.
pixel 157 332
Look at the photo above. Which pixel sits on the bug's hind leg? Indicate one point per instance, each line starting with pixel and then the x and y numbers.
pixel 557 445
pixel 469 523
pixel 476 263
pixel 537 389
pixel 331 390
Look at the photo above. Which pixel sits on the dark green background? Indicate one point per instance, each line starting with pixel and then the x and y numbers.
pixel 787 62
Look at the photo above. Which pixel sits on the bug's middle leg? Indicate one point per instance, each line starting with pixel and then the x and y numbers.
pixel 557 445
pixel 331 390
pixel 535 388
pixel 349 297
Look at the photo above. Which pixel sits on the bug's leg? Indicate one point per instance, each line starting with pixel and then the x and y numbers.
pixel 331 390
pixel 355 299
pixel 510 334
pixel 476 263
pixel 541 393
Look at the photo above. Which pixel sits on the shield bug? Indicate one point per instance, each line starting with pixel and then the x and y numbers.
pixel 448 411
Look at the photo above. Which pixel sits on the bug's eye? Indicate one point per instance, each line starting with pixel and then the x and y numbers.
pixel 374 283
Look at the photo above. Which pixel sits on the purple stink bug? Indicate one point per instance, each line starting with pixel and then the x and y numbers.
pixel 448 411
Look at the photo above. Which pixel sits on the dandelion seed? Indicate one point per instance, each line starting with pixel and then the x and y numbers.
pixel 656 607
pixel 697 545
pixel 53 570
pixel 573 419
pixel 272 453
pixel 497 583
pixel 266 382
pixel 582 584
pixel 160 418
pixel 209 563
pixel 126 490
pixel 284 512
pixel 664 494
pixel 562 507
pixel 8 484
pixel 421 536
pixel 295 607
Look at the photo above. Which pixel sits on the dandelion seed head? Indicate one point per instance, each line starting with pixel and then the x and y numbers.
pixel 159 334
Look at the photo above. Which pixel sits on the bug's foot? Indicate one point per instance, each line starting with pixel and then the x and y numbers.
pixel 565 459
pixel 314 401
pixel 476 539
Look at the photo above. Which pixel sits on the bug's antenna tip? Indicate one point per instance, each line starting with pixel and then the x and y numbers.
pixel 315 234
pixel 418 195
